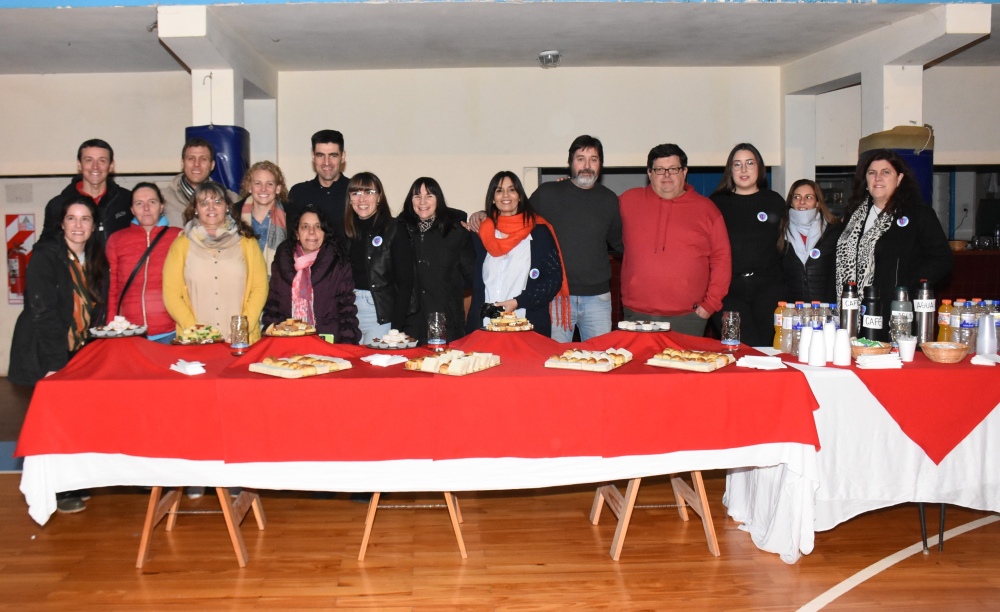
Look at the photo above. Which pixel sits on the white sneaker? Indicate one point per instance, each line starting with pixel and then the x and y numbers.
pixel 194 492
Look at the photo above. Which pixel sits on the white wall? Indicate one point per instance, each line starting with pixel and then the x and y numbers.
pixel 44 118
pixel 463 125
pixel 963 105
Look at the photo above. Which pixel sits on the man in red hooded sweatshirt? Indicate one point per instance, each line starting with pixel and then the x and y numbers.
pixel 677 263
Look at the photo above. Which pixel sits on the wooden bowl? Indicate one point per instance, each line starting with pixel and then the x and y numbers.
pixel 958 245
pixel 945 352
pixel 857 351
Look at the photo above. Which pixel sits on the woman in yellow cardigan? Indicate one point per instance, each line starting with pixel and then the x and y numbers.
pixel 214 269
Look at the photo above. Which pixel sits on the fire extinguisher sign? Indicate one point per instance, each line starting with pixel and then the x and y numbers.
pixel 20 240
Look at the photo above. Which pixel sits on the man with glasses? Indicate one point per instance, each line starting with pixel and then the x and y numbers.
pixel 198 159
pixel 95 164
pixel 677 263
pixel 328 190
pixel 585 217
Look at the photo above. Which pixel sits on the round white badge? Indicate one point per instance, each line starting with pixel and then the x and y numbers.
pixel 814 253
pixel 902 222
pixel 762 216
pixel 533 273
pixel 377 241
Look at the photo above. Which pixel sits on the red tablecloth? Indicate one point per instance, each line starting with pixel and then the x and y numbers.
pixel 935 404
pixel 118 396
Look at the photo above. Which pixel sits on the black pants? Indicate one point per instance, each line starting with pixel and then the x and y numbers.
pixel 755 298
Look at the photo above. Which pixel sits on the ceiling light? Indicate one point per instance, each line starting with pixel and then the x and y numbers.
pixel 548 59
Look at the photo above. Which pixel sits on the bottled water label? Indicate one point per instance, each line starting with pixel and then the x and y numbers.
pixel 872 322
pixel 851 304
pixel 923 305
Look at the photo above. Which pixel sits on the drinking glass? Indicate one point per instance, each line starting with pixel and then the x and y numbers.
pixel 730 330
pixel 437 332
pixel 239 334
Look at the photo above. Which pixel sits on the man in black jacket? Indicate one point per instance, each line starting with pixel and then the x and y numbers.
pixel 95 163
pixel 328 190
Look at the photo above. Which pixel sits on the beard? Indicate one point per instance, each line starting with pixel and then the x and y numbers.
pixel 585 179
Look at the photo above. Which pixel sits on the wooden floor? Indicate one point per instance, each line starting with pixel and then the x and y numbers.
pixel 528 550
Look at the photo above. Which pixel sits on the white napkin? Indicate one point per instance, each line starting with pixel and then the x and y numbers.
pixel 986 360
pixel 879 362
pixel 760 363
pixel 384 361
pixel 188 367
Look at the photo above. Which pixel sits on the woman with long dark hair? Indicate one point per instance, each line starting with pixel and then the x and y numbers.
pixel 890 236
pixel 518 264
pixel 64 296
pixel 808 244
pixel 444 255
pixel 311 280
pixel 753 214
pixel 381 257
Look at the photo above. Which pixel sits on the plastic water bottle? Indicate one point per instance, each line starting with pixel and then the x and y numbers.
pixel 944 321
pixel 967 326
pixel 778 314
pixel 996 317
pixel 850 305
pixel 796 328
pixel 956 321
pixel 872 325
pixel 923 310
pixel 786 327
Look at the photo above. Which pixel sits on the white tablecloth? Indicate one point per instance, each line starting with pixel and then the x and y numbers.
pixel 44 475
pixel 865 462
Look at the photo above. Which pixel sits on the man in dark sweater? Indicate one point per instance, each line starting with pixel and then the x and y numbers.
pixel 95 163
pixel 585 216
pixel 328 190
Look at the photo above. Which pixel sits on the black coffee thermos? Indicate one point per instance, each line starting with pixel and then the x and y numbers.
pixel 872 325
pixel 850 305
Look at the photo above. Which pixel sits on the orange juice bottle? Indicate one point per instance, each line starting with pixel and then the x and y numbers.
pixel 944 321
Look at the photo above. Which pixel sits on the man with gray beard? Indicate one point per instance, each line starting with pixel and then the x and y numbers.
pixel 585 216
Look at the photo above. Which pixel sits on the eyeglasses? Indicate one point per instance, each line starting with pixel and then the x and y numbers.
pixel 808 197
pixel 671 171
pixel 207 202
pixel 739 165
pixel 357 193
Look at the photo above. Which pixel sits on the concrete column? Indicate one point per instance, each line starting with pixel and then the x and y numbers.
pixel 222 64
pixel 798 143
pixel 891 95
pixel 217 97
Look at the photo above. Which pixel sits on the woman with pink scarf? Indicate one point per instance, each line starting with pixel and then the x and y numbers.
pixel 311 280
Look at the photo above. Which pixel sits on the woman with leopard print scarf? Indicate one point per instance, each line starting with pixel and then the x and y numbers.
pixel 890 236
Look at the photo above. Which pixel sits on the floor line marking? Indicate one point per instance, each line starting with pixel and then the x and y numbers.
pixel 880 566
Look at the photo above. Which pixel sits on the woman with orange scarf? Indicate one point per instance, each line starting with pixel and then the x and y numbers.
pixel 518 264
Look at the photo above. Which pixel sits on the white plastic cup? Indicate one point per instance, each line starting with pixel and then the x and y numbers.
pixel 817 350
pixel 829 337
pixel 804 341
pixel 907 347
pixel 842 348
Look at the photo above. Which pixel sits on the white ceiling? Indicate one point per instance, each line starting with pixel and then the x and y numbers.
pixel 348 36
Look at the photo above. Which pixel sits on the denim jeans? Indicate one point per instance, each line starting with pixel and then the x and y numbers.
pixel 367 319
pixel 591 313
